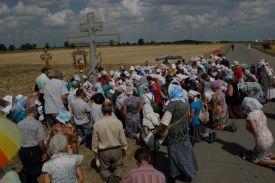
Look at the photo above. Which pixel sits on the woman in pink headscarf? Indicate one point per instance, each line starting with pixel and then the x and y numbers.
pixel 219 109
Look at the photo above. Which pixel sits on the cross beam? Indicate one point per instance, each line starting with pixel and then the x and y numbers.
pixel 91 27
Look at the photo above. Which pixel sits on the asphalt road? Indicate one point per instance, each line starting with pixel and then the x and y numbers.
pixel 220 162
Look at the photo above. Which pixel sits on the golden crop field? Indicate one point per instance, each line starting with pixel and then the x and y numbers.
pixel 114 55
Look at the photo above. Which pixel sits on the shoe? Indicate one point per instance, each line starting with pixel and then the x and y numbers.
pixel 214 135
pixel 211 138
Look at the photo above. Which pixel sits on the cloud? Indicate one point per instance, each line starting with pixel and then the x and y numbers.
pixel 4 9
pixel 31 10
pixel 50 3
pixel 134 6
pixel 60 18
pixel 251 12
pixel 150 19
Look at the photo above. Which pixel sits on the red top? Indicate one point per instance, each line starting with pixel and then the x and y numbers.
pixel 238 74
pixel 157 93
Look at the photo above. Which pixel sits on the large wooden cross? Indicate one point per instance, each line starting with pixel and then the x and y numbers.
pixel 93 39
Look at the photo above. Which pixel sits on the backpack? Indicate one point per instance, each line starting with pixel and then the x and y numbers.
pixel 154 105
pixel 204 114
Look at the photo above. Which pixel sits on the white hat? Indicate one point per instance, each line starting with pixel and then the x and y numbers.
pixel 132 68
pixel 112 72
pixel 129 90
pixel 173 66
pixel 193 93
pixel 137 77
pixel 103 73
pixel 137 67
pixel 159 70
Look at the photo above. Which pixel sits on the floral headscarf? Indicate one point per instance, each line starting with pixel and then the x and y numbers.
pixel 217 87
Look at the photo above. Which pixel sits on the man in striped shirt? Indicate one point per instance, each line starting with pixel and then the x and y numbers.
pixel 145 173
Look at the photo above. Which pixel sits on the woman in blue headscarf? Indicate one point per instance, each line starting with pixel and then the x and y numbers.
pixel 175 120
pixel 19 108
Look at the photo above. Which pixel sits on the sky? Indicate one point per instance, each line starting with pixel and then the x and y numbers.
pixel 52 21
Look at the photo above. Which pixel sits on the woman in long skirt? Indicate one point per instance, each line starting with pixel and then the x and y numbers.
pixel 182 160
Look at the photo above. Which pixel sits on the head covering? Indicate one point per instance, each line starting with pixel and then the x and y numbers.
pixel 20 102
pixel 129 90
pixel 193 93
pixel 58 143
pixel 132 68
pixel 98 98
pixel 149 114
pixel 8 108
pixel 249 104
pixel 64 116
pixel 236 63
pixel 217 87
pixel 175 93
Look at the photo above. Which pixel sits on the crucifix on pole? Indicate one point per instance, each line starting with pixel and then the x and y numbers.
pixel 46 56
pixel 92 39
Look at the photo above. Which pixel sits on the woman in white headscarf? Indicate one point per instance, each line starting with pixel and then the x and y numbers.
pixel 257 125
pixel 149 123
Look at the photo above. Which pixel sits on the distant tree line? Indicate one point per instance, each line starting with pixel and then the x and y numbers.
pixel 141 41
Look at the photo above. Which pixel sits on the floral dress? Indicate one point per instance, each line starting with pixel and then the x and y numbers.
pixel 68 130
pixel 220 116
pixel 132 121
pixel 263 140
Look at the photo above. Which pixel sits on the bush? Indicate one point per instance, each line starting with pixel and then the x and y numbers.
pixel 266 45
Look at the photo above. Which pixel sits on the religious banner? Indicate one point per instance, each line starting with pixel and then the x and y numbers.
pixel 80 59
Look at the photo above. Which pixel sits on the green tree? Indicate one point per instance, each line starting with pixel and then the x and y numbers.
pixel 66 44
pixel 12 47
pixel 3 47
pixel 140 41
pixel 266 45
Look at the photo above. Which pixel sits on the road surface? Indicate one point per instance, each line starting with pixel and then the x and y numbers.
pixel 220 162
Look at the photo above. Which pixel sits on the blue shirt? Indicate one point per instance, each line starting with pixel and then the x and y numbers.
pixel 197 106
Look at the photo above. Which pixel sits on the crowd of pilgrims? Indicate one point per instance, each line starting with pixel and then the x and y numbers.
pixel 175 104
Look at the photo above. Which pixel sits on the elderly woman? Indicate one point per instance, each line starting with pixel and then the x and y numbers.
pixel 19 109
pixel 130 110
pixel 219 109
pixel 62 167
pixel 175 121
pixel 266 74
pixel 257 126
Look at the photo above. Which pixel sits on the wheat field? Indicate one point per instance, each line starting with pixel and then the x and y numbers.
pixel 113 55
